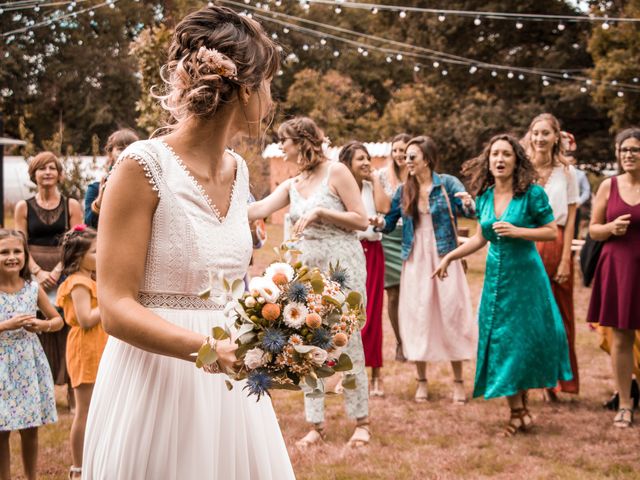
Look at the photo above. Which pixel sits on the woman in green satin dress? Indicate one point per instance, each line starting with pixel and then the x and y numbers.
pixel 517 311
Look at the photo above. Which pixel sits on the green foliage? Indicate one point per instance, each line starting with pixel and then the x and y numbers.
pixel 616 57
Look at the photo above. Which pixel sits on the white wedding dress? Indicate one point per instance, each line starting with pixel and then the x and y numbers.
pixel 159 418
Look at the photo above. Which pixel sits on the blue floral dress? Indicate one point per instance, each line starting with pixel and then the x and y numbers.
pixel 522 343
pixel 26 384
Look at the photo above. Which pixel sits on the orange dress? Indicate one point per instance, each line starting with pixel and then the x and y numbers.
pixel 84 346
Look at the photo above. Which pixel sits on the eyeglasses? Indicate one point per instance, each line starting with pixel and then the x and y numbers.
pixel 631 150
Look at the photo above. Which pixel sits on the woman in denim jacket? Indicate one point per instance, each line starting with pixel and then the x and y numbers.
pixel 435 318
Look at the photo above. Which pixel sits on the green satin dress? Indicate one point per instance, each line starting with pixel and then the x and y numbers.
pixel 522 343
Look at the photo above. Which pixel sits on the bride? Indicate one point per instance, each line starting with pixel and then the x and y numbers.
pixel 174 210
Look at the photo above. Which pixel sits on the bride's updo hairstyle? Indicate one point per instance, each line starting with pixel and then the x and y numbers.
pixel 213 52
pixel 308 137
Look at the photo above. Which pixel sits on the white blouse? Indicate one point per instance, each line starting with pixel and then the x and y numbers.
pixel 370 208
pixel 562 190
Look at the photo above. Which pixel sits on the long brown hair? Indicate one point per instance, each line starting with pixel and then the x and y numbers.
pixel 349 150
pixel 480 178
pixel 308 137
pixel 557 153
pixel 411 188
pixel 5 233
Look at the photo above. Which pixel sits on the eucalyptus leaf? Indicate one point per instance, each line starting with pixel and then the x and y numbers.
pixel 304 348
pixel 344 363
pixel 331 300
pixel 354 299
pixel 312 382
pixel 317 284
pixel 246 338
pixel 349 382
pixel 209 356
pixel 219 333
pixel 324 372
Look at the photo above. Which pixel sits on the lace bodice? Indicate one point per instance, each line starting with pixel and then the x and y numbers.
pixel 188 237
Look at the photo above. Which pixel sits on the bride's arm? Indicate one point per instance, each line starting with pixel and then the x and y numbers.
pixel 122 249
pixel 276 200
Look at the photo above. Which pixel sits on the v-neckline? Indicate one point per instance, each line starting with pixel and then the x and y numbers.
pixel 493 204
pixel 198 186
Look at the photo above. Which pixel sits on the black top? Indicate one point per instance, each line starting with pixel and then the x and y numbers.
pixel 46 227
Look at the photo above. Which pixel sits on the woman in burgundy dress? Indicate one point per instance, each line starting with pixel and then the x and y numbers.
pixel 615 301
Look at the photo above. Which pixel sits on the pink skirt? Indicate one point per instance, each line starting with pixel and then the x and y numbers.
pixel 372 330
pixel 435 316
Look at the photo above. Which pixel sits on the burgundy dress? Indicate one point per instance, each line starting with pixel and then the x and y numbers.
pixel 615 301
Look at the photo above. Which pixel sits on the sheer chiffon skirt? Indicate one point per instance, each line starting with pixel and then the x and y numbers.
pixel 155 417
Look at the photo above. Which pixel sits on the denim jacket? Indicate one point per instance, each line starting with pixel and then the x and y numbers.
pixel 445 234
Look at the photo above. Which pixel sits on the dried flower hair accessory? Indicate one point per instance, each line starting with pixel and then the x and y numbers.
pixel 217 62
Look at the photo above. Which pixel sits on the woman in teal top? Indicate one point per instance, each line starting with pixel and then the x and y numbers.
pixel 521 344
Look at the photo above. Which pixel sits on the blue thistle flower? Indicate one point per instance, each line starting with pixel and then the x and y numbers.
pixel 258 383
pixel 274 340
pixel 322 339
pixel 298 293
pixel 340 276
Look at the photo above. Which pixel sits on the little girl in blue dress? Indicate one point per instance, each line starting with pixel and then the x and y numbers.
pixel 26 384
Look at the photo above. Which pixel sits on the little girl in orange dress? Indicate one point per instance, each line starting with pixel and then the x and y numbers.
pixel 77 296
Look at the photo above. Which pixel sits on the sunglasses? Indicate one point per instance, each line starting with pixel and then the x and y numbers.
pixel 411 156
pixel 631 150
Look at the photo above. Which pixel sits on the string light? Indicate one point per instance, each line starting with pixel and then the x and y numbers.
pixel 399 57
pixel 441 18
pixel 444 73
pixel 402 14
pixel 374 10
pixel 477 21
pixel 561 26
pixel 410 50
pixel 473 69
pixel 621 94
pixel 416 68
pixel 510 75
pixel 519 25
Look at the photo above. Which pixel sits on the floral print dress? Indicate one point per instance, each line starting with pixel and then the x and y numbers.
pixel 26 384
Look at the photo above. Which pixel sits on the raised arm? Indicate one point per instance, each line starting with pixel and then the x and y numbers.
pixel 380 197
pixel 276 200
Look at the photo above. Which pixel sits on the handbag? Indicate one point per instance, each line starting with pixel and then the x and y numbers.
pixel 465 266
pixel 589 256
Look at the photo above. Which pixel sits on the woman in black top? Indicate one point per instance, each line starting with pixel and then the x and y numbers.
pixel 44 219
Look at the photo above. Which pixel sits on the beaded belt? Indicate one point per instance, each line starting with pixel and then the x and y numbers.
pixel 177 301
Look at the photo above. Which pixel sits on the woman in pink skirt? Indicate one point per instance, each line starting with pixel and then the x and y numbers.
pixel 355 156
pixel 615 301
pixel 435 318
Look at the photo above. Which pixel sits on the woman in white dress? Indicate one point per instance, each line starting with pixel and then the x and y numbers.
pixel 174 210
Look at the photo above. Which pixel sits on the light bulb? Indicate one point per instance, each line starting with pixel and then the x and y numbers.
pixel 399 57
pixel 477 21
pixel 416 68
pixel 561 26
pixel 374 10
pixel 473 69
pixel 402 14
pixel 605 26
pixel 510 75
pixel 337 10
pixel 519 25
pixel 494 73
pixel 583 89
pixel 621 94
pixel 441 18
pixel 336 53
pixel 444 73
pixel 436 64
pixel 389 59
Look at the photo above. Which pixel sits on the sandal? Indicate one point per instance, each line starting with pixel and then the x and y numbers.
pixel 459 396
pixel 520 421
pixel 73 470
pixel 361 436
pixel 313 437
pixel 624 418
pixel 376 387
pixel 422 393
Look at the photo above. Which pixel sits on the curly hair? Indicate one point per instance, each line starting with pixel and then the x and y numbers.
pixel 193 87
pixel 480 178
pixel 308 137
pixel 411 189
pixel 5 233
pixel 349 150
pixel 557 153
pixel 75 244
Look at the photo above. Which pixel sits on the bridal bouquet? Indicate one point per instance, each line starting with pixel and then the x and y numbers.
pixel 290 327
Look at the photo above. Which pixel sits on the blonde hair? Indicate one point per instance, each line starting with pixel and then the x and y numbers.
pixel 194 88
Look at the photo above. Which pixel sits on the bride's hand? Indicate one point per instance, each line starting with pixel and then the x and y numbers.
pixel 226 350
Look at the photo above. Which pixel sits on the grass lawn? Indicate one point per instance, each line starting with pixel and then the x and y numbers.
pixel 572 439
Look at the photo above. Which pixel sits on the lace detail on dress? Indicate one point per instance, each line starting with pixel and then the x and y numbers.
pixel 48 217
pixel 150 166
pixel 199 187
pixel 176 301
